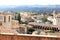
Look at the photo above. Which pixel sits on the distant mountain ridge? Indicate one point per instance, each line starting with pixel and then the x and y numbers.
pixel 31 8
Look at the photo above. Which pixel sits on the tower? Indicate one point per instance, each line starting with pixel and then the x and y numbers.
pixel 7 20
pixel 54 15
pixel 54 18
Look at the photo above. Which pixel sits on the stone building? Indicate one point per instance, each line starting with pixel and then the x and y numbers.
pixel 7 25
pixel 55 18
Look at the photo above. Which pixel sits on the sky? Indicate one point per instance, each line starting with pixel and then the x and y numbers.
pixel 29 2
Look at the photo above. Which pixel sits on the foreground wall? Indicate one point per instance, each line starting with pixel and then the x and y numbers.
pixel 22 37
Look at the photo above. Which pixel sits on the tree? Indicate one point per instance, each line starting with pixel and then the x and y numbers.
pixel 19 18
pixel 16 16
pixel 50 14
pixel 44 19
pixel 30 30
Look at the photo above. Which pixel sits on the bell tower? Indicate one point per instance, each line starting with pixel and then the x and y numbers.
pixel 54 15
pixel 54 18
pixel 7 20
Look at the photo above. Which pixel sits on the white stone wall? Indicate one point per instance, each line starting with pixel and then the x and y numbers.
pixel 54 21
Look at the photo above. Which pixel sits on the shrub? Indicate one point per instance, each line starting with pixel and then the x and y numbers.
pixel 44 19
pixel 30 30
pixel 51 31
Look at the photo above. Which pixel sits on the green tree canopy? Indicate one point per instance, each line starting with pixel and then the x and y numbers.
pixel 18 17
pixel 30 29
pixel 44 19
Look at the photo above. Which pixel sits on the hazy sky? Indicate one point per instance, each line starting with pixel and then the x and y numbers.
pixel 29 2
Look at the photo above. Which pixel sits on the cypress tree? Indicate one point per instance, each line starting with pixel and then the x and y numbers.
pixel 19 18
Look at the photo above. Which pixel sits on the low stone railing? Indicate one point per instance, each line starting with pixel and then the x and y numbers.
pixel 11 36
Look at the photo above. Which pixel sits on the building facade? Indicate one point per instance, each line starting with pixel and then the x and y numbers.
pixel 5 20
pixel 55 18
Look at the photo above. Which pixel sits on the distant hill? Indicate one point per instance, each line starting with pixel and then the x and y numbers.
pixel 32 8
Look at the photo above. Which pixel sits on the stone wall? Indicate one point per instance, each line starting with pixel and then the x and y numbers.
pixel 22 37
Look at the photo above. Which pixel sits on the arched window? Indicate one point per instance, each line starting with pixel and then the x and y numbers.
pixel 9 19
pixel 4 18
